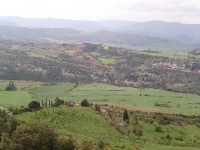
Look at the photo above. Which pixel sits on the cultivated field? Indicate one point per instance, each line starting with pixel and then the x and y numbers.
pixel 170 102
pixel 131 98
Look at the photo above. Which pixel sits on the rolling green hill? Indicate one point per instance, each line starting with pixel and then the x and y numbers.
pixel 79 123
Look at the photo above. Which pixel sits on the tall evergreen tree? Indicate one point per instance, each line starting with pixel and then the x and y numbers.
pixel 125 116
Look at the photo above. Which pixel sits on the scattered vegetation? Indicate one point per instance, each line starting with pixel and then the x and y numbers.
pixel 139 100
pixel 11 87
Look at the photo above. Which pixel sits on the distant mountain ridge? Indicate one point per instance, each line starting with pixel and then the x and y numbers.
pixel 174 31
pixel 87 26
pixel 56 34
pixel 187 33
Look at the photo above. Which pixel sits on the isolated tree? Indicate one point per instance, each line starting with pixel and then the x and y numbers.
pixel 85 103
pixel 11 87
pixel 125 116
pixel 34 105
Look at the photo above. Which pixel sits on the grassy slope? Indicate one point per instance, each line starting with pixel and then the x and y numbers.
pixel 79 122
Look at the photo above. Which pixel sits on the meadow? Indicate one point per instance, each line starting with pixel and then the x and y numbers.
pixel 19 98
pixel 131 98
pixel 96 93
pixel 107 61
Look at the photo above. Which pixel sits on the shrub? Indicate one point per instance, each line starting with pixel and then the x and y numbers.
pixel 11 87
pixel 158 129
pixel 63 143
pixel 85 103
pixel 168 137
pixel 97 107
pixel 34 105
pixel 101 144
pixel 86 145
pixel 179 138
pixel 58 102
pixel 91 104
pixel 138 131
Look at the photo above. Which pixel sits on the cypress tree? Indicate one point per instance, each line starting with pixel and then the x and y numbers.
pixel 125 116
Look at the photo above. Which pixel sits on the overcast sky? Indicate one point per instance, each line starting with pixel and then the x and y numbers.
pixel 184 11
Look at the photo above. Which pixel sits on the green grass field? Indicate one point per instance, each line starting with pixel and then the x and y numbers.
pixel 14 99
pixel 21 97
pixel 52 91
pixel 95 54
pixel 131 98
pixel 107 61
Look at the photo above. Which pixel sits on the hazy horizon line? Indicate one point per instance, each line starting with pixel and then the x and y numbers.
pixel 98 20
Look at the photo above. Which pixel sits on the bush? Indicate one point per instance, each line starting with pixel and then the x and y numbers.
pixel 137 131
pixel 97 107
pixel 179 138
pixel 34 105
pixel 168 137
pixel 158 129
pixel 58 102
pixel 85 103
pixel 63 144
pixel 101 144
pixel 11 87
pixel 86 145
